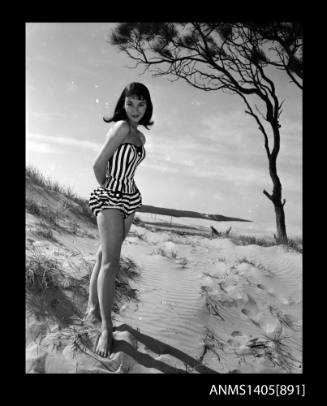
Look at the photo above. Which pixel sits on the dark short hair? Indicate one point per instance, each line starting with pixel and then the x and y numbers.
pixel 140 91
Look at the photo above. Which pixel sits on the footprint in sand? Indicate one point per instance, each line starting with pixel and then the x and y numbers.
pixel 252 314
pixel 271 292
pixel 238 343
pixel 266 322
pixel 251 309
pixel 236 333
pixel 246 312
pixel 283 300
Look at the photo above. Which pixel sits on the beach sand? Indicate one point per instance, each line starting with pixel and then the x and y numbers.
pixel 185 302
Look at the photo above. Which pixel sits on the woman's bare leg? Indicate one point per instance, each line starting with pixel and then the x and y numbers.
pixel 93 311
pixel 111 229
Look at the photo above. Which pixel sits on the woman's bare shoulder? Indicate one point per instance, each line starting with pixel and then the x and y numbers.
pixel 119 130
pixel 121 126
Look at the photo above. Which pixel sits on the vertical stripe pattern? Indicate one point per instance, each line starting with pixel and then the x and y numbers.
pixel 120 190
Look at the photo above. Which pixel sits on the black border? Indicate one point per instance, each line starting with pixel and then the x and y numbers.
pixel 191 387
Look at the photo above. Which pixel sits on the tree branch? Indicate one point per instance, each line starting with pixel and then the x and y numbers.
pixel 227 56
pixel 261 127
pixel 268 195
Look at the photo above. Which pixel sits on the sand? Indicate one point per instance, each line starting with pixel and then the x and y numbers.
pixel 186 302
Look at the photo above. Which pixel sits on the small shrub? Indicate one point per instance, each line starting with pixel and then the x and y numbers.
pixel 295 245
pixel 249 240
pixel 292 244
pixel 165 253
pixel 32 207
pixel 70 193
pixel 41 273
pixel 183 262
pixel 137 221
pixel 141 236
pixel 46 233
pixel 74 227
pixel 50 216
pixel 44 212
pixel 33 175
pixel 66 205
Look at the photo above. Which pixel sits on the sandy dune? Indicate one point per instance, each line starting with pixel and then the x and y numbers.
pixel 185 303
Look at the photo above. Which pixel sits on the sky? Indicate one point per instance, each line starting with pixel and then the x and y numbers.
pixel 203 152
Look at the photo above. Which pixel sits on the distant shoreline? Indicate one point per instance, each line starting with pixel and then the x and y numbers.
pixel 187 213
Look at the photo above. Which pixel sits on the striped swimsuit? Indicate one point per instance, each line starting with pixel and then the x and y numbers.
pixel 119 190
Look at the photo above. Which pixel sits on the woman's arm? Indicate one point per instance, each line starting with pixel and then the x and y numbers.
pixel 115 137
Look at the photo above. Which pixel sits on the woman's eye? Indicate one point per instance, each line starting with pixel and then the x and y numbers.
pixel 131 105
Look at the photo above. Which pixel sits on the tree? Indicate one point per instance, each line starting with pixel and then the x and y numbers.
pixel 286 41
pixel 231 57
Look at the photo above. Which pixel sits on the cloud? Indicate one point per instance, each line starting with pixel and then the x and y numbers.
pixel 40 139
pixel 47 117
pixel 39 147
pixel 63 65
pixel 200 167
pixel 41 116
pixel 161 168
pixel 202 159
pixel 233 174
pixel 227 148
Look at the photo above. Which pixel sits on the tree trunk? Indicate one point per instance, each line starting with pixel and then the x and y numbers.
pixel 280 214
pixel 280 222
pixel 276 199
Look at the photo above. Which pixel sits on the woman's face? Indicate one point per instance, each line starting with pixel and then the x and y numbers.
pixel 135 108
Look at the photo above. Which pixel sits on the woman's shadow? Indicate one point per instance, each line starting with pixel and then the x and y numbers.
pixel 159 348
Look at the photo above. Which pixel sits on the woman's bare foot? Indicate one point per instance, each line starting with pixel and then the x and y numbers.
pixel 104 344
pixel 92 317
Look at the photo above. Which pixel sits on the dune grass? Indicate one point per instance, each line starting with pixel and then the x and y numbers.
pixel 137 221
pixel 46 295
pixel 41 273
pixel 53 294
pixel 292 244
pixel 43 231
pixel 34 176
pixel 44 212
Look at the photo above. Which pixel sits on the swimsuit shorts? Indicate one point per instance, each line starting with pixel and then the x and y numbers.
pixel 119 190
pixel 102 198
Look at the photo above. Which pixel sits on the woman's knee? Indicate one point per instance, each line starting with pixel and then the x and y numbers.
pixel 110 265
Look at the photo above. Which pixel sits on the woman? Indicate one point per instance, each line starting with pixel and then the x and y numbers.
pixel 115 201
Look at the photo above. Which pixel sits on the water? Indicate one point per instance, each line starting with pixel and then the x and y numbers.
pixel 255 229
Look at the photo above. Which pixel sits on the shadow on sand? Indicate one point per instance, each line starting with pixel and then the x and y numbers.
pixel 159 348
